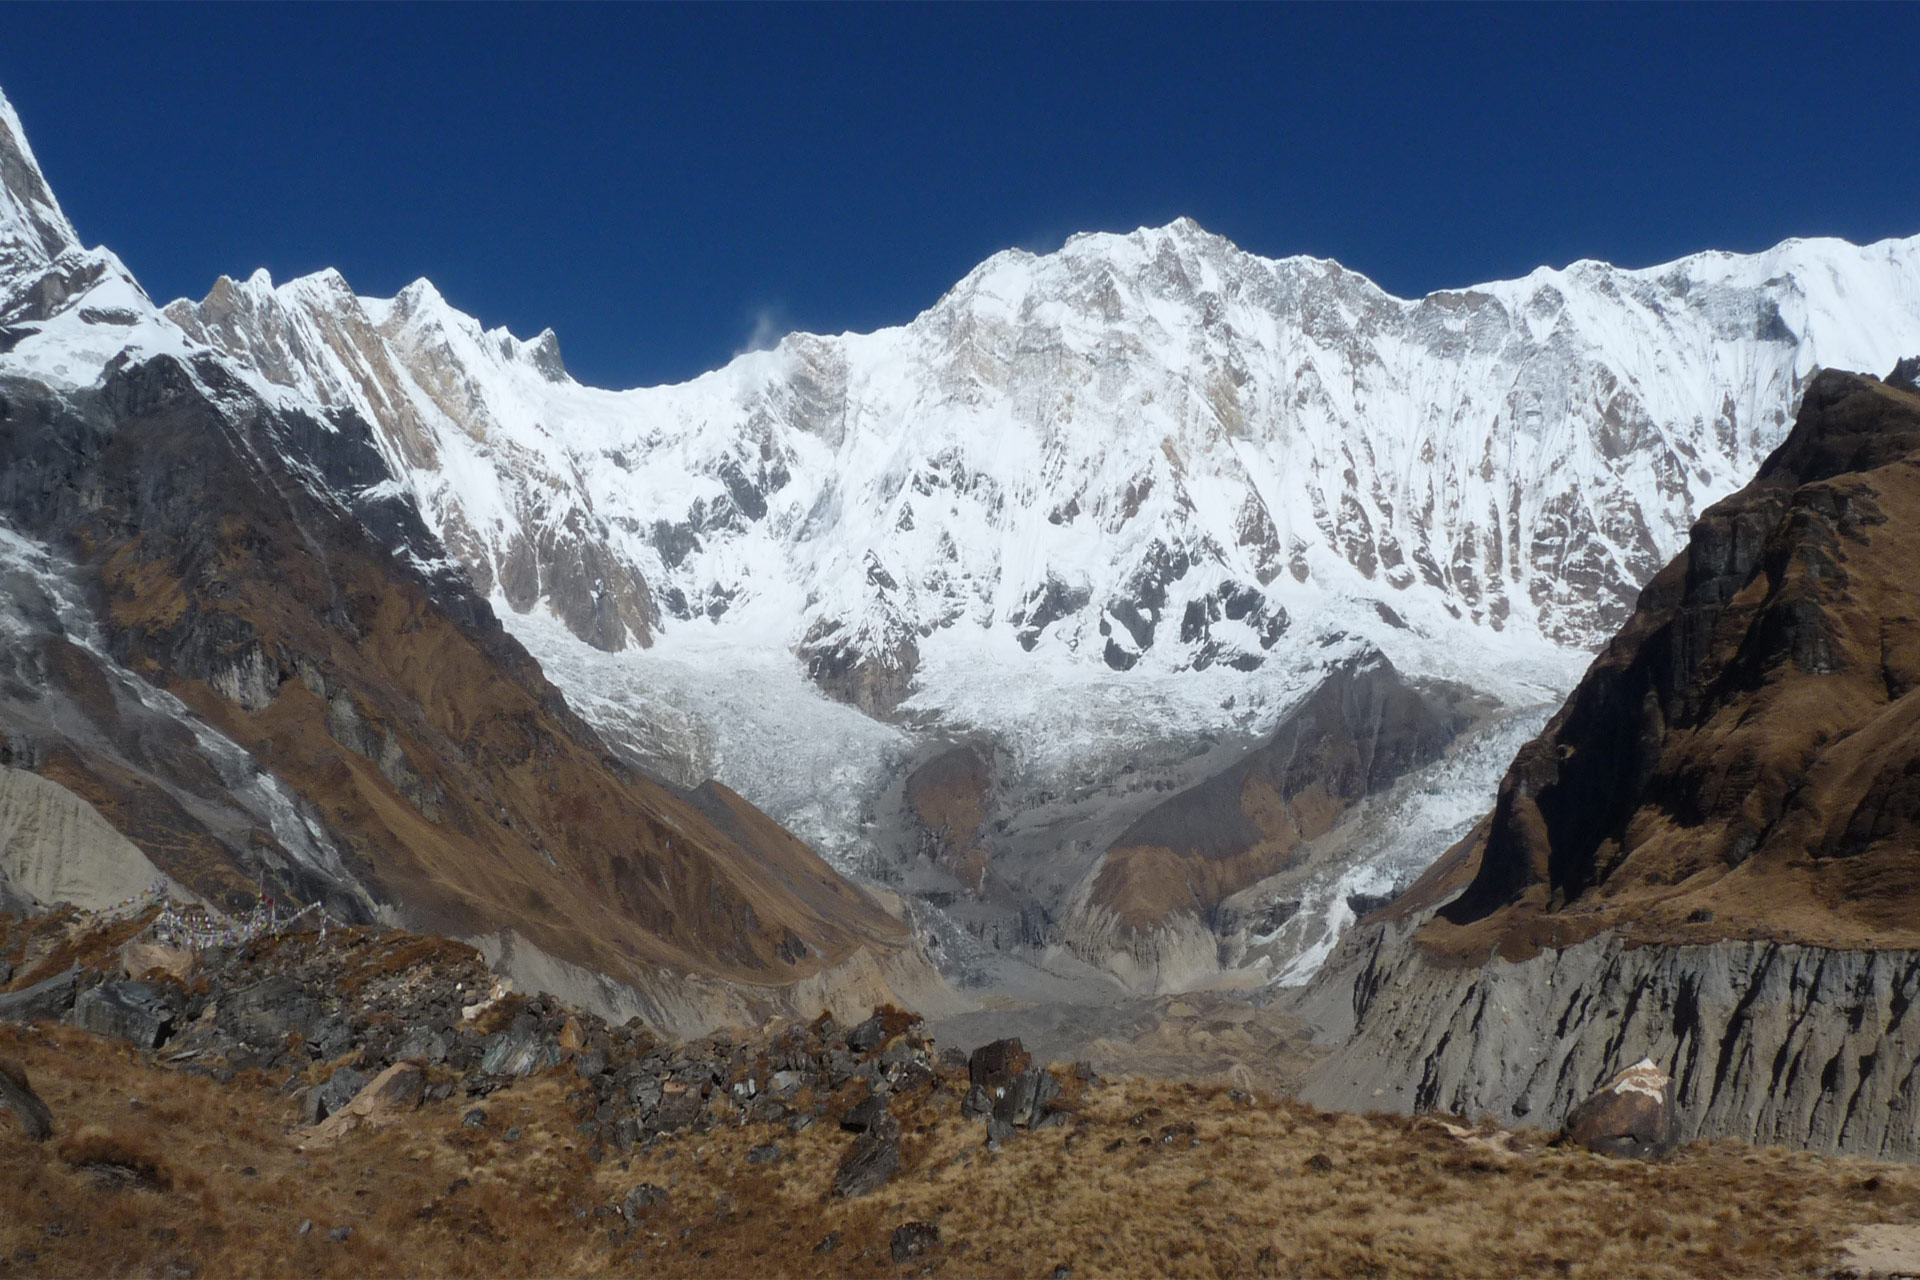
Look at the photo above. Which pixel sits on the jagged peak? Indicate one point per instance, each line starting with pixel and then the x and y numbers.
pixel 33 229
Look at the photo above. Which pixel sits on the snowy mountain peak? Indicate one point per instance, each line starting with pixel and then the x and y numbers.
pixel 33 230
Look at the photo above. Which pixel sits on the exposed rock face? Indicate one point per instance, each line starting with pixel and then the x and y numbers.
pixel 55 847
pixel 18 1097
pixel 1708 858
pixel 949 795
pixel 1771 1043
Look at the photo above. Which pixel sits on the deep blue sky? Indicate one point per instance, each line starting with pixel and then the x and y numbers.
pixel 656 183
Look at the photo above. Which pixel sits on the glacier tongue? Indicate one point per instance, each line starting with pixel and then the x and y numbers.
pixel 1106 514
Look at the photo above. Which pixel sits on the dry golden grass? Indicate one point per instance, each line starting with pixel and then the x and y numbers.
pixel 1150 1179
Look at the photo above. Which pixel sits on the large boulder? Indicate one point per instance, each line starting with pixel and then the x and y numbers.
pixel 994 1066
pixel 1630 1115
pixel 393 1095
pixel 341 1088
pixel 872 1161
pixel 17 1096
pixel 139 1012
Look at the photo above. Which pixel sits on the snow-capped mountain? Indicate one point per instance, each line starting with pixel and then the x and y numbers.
pixel 1104 514
pixel 1100 521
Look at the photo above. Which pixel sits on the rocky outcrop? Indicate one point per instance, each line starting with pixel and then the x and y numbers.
pixel 1768 1042
pixel 1708 858
pixel 17 1097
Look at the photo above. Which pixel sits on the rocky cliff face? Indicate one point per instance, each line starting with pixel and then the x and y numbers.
pixel 232 640
pixel 1708 857
pixel 1772 1043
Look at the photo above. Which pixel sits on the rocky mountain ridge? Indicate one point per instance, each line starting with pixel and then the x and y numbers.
pixel 1707 858
pixel 233 645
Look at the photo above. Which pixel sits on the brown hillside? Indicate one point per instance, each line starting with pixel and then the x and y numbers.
pixel 424 738
pixel 1743 761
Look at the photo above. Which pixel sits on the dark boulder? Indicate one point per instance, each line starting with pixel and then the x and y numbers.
pixel 139 1012
pixel 868 1036
pixel 17 1096
pixel 977 1105
pixel 993 1066
pixel 1631 1115
pixel 865 1114
pixel 871 1162
pixel 340 1089
pixel 266 1012
pixel 914 1240
pixel 642 1198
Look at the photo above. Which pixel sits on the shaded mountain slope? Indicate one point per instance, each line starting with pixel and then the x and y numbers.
pixel 1743 760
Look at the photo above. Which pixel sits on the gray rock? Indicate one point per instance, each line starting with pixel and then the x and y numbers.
pixel 138 1012
pixel 643 1197
pixel 766 1153
pixel 898 1054
pixel 337 1092
pixel 644 1092
pixel 266 1012
pixel 994 1065
pixel 425 1044
pixel 785 1082
pixel 340 1235
pixel 999 1130
pixel 518 1052
pixel 867 1037
pixel 474 1119
pixel 44 1000
pixel 871 1162
pixel 677 1111
pixel 6 973
pixel 977 1105
pixel 1015 1103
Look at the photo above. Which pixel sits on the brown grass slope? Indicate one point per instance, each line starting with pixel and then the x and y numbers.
pixel 155 1172
pixel 426 739
pixel 1743 760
